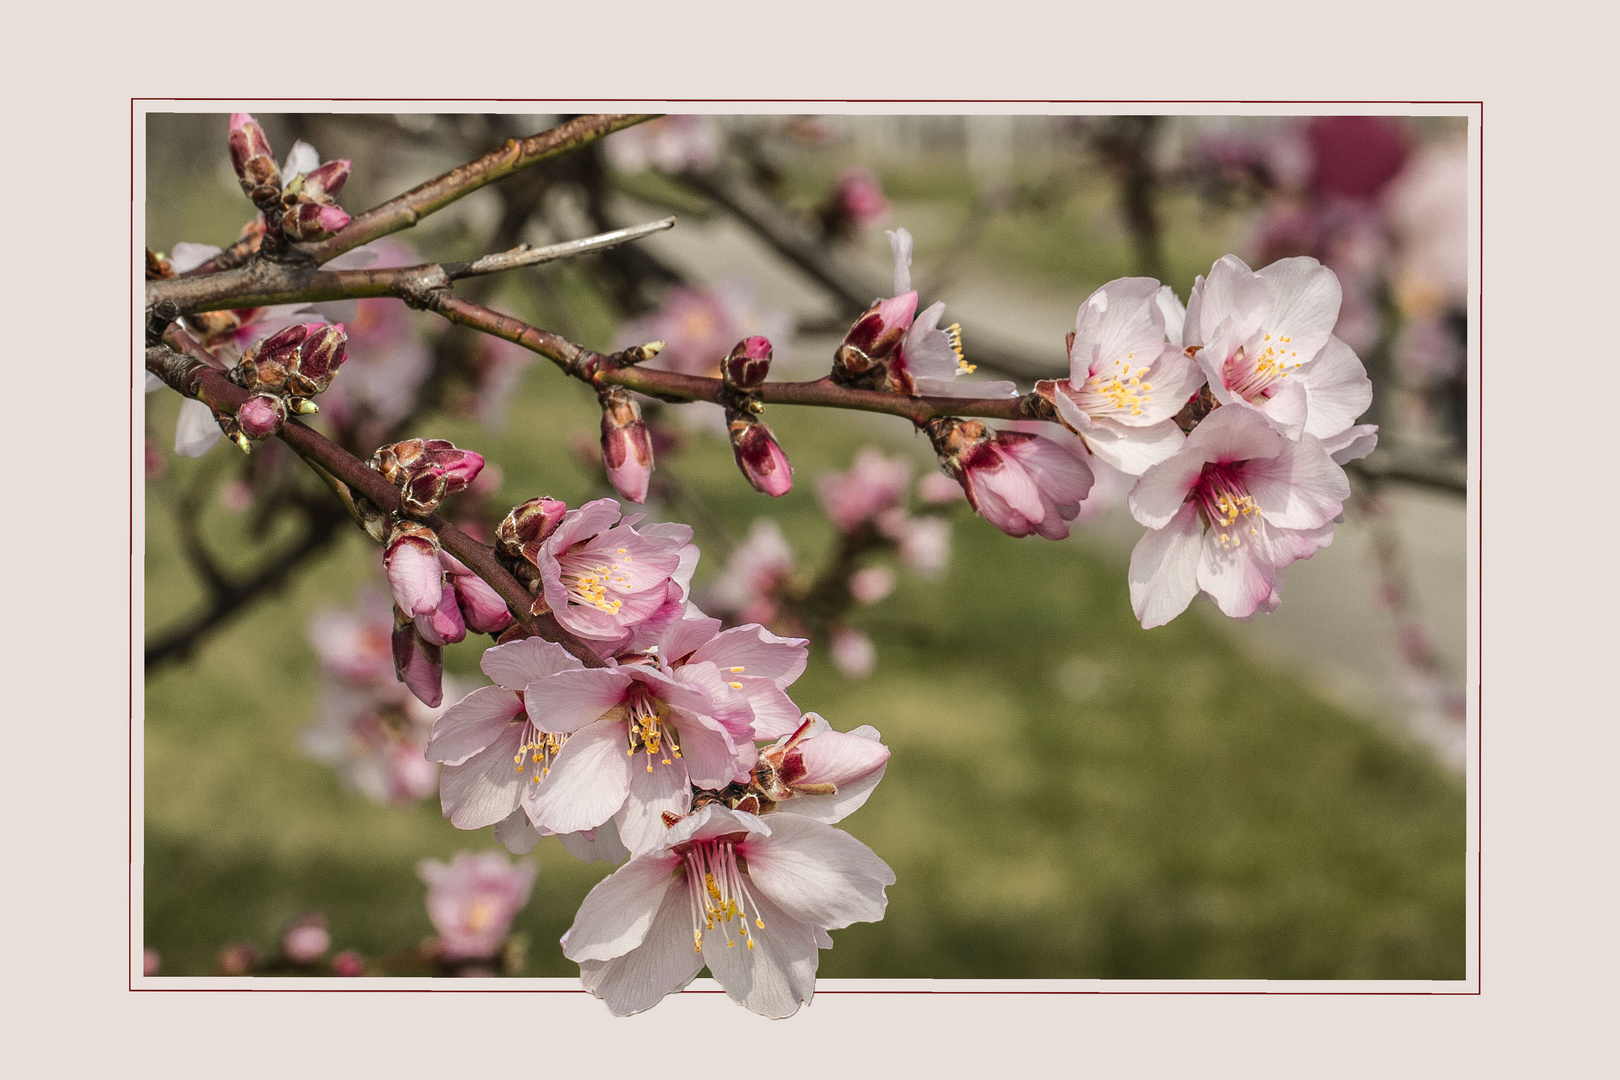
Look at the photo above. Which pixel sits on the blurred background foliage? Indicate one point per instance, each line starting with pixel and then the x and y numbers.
pixel 1069 796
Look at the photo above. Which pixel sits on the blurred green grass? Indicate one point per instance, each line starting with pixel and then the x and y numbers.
pixel 1069 796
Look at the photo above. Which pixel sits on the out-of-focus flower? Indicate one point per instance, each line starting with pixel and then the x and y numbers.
pixel 238 958
pixel 306 940
pixel 1265 341
pixel 353 643
pixel 1126 380
pixel 873 485
pixel 1428 216
pixel 674 144
pixel 937 489
pixel 1354 157
pixel 1020 483
pixel 154 460
pixel 924 542
pixel 870 584
pixel 151 962
pixel 348 964
pixel 376 736
pixel 860 197
pixel 755 899
pixel 853 653
pixel 699 326
pixel 473 899
pixel 1237 504
pixel 758 568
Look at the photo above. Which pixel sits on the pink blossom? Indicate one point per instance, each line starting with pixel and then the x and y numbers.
pixel 756 571
pixel 1265 341
pixel 307 940
pixel 673 144
pixel 871 584
pixel 419 664
pixel 482 608
pixel 1126 380
pixel 375 735
pixel 627 452
pixel 859 197
pixel 1020 483
pixel 754 899
pixel 924 542
pixel 353 643
pixel 821 773
pixel 348 964
pixel 472 900
pixel 151 962
pixel 1237 504
pixel 853 653
pixel 937 489
pixel 873 485
pixel 610 582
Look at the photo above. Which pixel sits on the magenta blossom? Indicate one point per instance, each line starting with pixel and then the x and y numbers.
pixel 612 583
pixel 1236 505
pixel 1126 380
pixel 472 900
pixel 1265 341
pixel 754 900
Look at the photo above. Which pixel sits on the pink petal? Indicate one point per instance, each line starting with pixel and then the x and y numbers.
pixel 487 787
pixel 518 663
pixel 818 874
pixel 1239 579
pixel 758 652
pixel 1164 568
pixel 1300 488
pixel 1337 390
pixel 640 822
pixel 567 700
pixel 665 962
pixel 775 976
pixel 472 724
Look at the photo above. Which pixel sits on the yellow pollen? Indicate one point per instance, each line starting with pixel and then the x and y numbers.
pixel 735 685
pixel 736 670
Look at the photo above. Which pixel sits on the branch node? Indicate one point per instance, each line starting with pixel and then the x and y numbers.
pixel 418 289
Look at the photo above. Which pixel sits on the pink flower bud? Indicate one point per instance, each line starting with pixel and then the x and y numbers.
pixel 460 467
pixel 252 158
pixel 151 962
pixel 748 364
pixel 260 415
pixel 443 625
pixel 626 445
pixel 238 959
pixel 760 459
pixel 424 488
pixel 482 608
pixel 419 665
pixel 323 351
pixel 348 965
pixel 877 332
pixel 307 940
pixel 860 197
pixel 333 218
pixel 414 573
pixel 327 179
pixel 528 525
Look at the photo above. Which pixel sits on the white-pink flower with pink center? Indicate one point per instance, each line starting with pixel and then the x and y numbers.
pixel 1265 342
pixel 753 899
pixel 1020 483
pixel 612 583
pixel 928 360
pixel 1239 502
pixel 1126 380
pixel 473 899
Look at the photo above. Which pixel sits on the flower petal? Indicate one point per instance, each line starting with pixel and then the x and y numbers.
pixel 1164 568
pixel 485 788
pixel 567 700
pixel 816 873
pixel 472 724
pixel 588 781
pixel 1300 488
pixel 518 663
pixel 617 915
pixel 1337 390
pixel 654 789
pixel 776 974
pixel 664 963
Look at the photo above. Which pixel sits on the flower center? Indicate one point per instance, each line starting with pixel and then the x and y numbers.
pixel 589 576
pixel 1224 503
pixel 1121 388
pixel 1252 378
pixel 650 731
pixel 719 893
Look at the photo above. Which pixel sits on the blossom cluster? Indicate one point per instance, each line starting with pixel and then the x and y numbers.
pixel 654 757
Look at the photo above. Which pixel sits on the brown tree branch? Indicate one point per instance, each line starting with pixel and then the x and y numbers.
pixel 196 379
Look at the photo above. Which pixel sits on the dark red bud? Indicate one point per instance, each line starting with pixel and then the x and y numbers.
pixel 760 458
pixel 528 525
pixel 748 364
pixel 327 179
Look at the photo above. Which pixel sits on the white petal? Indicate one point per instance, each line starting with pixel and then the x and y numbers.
pixel 1352 444
pixel 472 724
pixel 518 663
pixel 1162 490
pixel 195 430
pixel 640 822
pixel 186 256
pixel 900 244
pixel 1300 488
pixel 600 844
pixel 302 158
pixel 1164 569
pixel 666 961
pixel 568 700
pixel 485 788
pixel 1239 578
pixel 818 874
pixel 1133 450
pixel 588 781
pixel 1337 390
pixel 775 976
pixel 1175 314
pixel 517 832
pixel 1305 298
pixel 617 914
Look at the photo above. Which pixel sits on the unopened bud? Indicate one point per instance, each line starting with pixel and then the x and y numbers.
pixel 880 329
pixel 750 361
pixel 418 664
pixel 414 573
pixel 253 159
pixel 626 445
pixel 266 366
pixel 311 221
pixel 523 530
pixel 261 415
pixel 760 459
pixel 460 467
pixel 327 179
pixel 323 351
pixel 423 491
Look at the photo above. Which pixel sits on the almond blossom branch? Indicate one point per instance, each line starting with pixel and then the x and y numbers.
pixel 263 283
pixel 197 380
pixel 406 210
pixel 599 370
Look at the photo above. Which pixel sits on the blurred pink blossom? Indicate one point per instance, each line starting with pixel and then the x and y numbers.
pixel 473 899
pixel 674 144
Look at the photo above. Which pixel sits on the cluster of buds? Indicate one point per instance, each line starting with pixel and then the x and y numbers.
pixel 627 451
pixel 297 199
pixel 284 371
pixel 426 471
pixel 758 456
